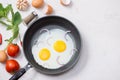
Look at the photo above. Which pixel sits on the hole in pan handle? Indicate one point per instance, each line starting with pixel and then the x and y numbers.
pixel 20 72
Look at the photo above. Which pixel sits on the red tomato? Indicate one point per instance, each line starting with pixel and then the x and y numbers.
pixel 13 50
pixel 12 66
pixel 0 38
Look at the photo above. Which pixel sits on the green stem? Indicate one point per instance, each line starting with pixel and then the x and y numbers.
pixel 12 12
pixel 9 41
pixel 7 46
pixel 4 23
pixel 8 20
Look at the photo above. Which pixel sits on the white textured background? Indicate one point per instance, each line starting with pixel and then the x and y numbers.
pixel 99 24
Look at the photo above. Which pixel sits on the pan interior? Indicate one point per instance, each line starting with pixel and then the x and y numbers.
pixel 50 23
pixel 58 41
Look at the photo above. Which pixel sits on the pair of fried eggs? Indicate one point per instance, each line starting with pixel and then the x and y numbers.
pixel 53 48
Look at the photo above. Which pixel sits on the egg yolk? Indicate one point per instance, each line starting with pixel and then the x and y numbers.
pixel 44 54
pixel 59 46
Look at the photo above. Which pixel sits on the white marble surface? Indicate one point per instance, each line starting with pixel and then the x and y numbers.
pixel 99 24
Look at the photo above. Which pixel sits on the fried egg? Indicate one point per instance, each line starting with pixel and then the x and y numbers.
pixel 59 46
pixel 52 48
pixel 44 54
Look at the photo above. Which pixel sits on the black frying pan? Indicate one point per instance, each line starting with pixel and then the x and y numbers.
pixel 28 37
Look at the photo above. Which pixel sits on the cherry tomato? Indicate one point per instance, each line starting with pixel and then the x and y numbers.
pixel 12 66
pixel 0 38
pixel 13 50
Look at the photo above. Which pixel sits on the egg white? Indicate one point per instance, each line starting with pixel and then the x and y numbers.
pixel 47 40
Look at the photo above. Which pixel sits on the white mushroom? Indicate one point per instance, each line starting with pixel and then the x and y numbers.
pixel 22 5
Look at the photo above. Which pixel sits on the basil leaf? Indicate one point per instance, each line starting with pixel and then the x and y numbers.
pixel 15 31
pixel 4 11
pixel 13 23
pixel 1 14
pixel 1 6
pixel 1 11
pixel 16 19
pixel 12 12
pixel 9 27
pixel 7 10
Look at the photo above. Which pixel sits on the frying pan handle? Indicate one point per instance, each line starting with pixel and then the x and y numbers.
pixel 20 72
pixel 30 17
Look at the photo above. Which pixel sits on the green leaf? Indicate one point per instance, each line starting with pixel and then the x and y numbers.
pixel 7 10
pixel 12 12
pixel 15 31
pixel 1 10
pixel 16 19
pixel 1 6
pixel 4 11
pixel 9 27
pixel 1 14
